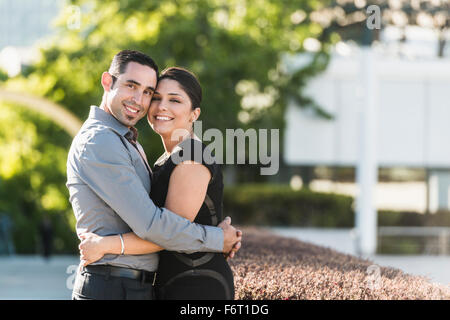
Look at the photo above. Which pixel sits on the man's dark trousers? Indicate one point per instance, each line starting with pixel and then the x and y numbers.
pixel 89 286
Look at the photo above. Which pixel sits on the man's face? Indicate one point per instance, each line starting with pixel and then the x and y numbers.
pixel 129 99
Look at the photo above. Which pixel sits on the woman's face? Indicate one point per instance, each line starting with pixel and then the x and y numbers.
pixel 171 109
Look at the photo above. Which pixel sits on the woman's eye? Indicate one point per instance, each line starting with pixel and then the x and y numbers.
pixel 129 85
pixel 156 98
pixel 173 100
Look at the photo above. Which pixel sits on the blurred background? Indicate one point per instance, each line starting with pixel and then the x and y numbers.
pixel 358 89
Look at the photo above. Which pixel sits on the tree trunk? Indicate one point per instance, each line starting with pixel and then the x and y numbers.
pixel 441 42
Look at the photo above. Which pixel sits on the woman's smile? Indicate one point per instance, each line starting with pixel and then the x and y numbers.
pixel 170 109
pixel 163 118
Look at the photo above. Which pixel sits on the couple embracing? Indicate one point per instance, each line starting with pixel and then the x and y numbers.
pixel 148 233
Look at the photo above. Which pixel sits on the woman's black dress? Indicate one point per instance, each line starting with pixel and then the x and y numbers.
pixel 201 275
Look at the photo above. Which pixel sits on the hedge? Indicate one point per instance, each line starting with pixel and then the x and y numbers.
pixel 273 204
pixel 272 267
pixel 279 205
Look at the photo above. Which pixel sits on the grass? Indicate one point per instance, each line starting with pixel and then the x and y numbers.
pixel 270 267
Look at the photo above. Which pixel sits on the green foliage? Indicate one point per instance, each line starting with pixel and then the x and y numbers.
pixel 3 76
pixel 33 153
pixel 408 244
pixel 402 245
pixel 275 205
pixel 235 48
pixel 413 219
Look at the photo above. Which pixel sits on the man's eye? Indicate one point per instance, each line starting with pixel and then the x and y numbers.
pixel 174 100
pixel 156 98
pixel 149 93
pixel 130 85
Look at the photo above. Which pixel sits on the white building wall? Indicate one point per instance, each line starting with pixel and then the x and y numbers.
pixel 414 115
pixel 413 123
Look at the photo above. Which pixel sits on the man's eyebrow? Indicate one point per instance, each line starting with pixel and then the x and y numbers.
pixel 133 81
pixel 138 84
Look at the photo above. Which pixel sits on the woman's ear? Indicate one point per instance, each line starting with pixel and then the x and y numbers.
pixel 195 114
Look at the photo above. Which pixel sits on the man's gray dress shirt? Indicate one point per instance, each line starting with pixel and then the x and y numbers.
pixel 109 188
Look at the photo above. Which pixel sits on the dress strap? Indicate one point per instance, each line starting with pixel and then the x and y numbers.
pixel 212 210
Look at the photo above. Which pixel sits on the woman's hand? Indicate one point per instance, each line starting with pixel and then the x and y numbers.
pixel 91 248
pixel 236 247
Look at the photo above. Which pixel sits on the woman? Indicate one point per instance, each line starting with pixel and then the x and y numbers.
pixel 185 166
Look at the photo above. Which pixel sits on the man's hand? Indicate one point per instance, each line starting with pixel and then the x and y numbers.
pixel 232 238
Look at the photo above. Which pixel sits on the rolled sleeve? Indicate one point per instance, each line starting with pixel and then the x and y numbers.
pixel 106 167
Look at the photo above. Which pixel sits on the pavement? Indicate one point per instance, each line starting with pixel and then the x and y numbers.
pixel 435 268
pixel 34 278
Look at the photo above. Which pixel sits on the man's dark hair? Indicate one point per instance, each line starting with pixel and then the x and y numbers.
pixel 187 81
pixel 121 60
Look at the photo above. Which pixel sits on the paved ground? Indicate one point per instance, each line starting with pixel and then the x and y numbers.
pixel 31 277
pixel 436 268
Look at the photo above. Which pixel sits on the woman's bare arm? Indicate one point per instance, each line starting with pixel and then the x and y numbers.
pixel 187 189
pixel 132 244
pixel 93 247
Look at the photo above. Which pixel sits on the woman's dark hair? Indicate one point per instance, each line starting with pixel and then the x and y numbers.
pixel 187 81
pixel 121 60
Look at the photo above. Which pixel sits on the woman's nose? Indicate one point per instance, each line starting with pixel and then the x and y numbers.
pixel 162 106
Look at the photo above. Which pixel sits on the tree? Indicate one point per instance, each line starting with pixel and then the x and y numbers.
pixel 33 153
pixel 348 17
pixel 236 48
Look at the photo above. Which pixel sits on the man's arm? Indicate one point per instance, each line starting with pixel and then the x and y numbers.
pixel 105 166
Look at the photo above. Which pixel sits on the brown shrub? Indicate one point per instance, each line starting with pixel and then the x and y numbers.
pixel 276 268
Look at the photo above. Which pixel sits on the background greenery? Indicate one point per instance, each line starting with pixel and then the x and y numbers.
pixel 33 153
pixel 279 205
pixel 235 47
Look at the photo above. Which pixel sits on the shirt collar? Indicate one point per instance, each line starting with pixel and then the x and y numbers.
pixel 99 114
pixel 132 134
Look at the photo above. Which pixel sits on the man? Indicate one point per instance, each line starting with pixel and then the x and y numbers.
pixel 108 178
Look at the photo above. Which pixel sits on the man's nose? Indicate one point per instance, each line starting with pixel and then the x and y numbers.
pixel 138 97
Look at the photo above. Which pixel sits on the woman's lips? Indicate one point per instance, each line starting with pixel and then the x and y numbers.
pixel 163 118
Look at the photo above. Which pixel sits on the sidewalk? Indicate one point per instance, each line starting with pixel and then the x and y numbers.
pixel 33 278
pixel 342 240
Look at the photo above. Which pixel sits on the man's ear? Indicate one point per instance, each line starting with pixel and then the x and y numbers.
pixel 107 81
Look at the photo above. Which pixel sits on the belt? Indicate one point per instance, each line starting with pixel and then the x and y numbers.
pixel 113 271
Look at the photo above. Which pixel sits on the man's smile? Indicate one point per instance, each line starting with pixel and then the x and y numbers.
pixel 130 110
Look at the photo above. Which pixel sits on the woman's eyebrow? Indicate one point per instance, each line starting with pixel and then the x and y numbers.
pixel 170 94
